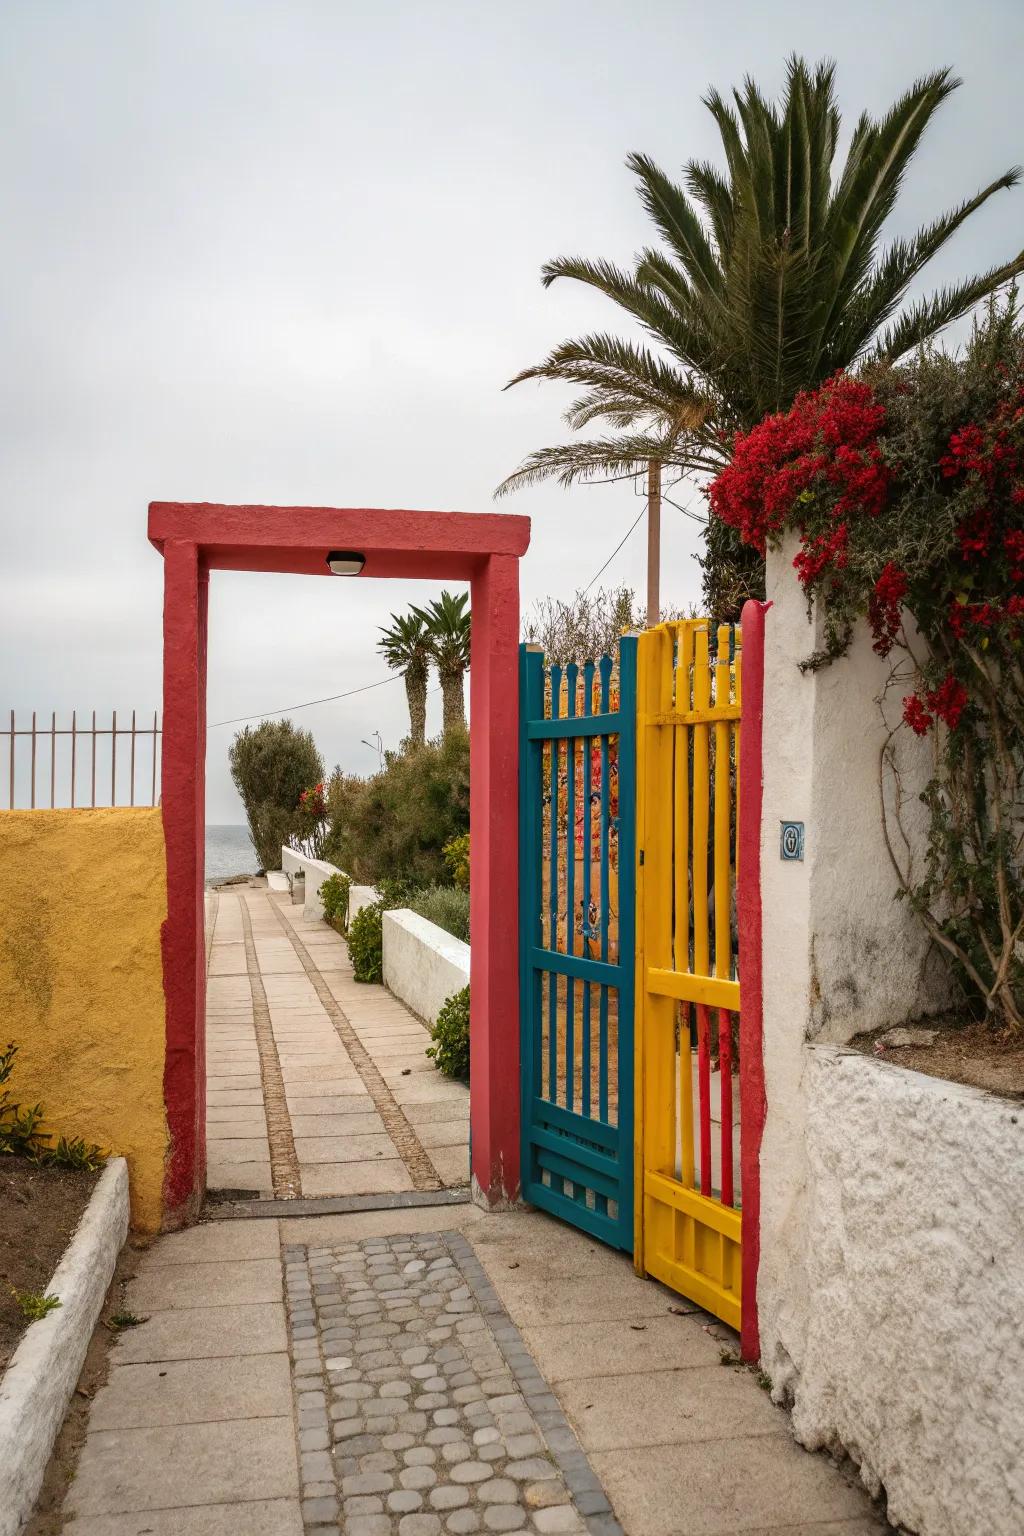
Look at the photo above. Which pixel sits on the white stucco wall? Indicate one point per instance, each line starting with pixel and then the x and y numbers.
pixel 423 964
pixel 840 954
pixel 910 1352
pixel 316 872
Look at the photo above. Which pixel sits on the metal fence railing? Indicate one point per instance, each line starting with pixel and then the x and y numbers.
pixel 80 765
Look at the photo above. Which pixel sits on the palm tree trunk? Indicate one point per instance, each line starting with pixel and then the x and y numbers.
pixel 653 543
pixel 416 697
pixel 453 701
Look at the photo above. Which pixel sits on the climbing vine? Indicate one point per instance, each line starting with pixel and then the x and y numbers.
pixel 905 487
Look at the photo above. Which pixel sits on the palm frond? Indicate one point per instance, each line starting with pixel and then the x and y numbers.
pixel 603 458
pixel 672 214
pixel 869 186
pixel 928 317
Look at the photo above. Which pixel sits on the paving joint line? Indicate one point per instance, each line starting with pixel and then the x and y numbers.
pixel 406 1142
pixel 284 1163
pixel 218 1207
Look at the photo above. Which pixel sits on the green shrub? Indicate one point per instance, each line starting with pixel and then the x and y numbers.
pixel 456 856
pixel 334 897
pixel 365 940
pixel 20 1133
pixel 445 905
pixel 271 765
pixel 395 892
pixel 395 825
pixel 450 1050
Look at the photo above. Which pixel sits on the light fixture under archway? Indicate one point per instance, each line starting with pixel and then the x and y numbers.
pixel 345 562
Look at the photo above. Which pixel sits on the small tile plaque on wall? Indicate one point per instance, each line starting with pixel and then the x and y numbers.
pixel 791 842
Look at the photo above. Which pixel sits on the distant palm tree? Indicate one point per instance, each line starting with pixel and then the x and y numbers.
pixel 406 649
pixel 447 623
pixel 767 282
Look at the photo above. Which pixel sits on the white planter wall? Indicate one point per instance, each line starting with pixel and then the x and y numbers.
pixel 316 872
pixel 361 896
pixel 904 1321
pixel 423 964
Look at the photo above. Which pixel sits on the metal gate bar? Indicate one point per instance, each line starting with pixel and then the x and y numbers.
pixel 577 938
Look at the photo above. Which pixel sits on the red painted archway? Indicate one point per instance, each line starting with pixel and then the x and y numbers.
pixel 482 548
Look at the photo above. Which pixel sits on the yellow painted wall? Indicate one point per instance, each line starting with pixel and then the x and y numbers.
pixel 82 897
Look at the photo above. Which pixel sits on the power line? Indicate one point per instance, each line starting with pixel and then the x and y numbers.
pixel 615 551
pixel 331 699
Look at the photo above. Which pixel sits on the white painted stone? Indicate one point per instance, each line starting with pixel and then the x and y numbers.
pixel 423 964
pixel 36 1388
pixel 909 1350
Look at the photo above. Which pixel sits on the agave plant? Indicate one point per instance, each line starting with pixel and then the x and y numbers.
pixel 406 649
pixel 447 625
pixel 769 277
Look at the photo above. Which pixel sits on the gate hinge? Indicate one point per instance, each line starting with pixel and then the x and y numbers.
pixel 641 856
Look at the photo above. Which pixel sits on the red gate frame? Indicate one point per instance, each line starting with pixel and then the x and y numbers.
pixel 753 1105
pixel 481 548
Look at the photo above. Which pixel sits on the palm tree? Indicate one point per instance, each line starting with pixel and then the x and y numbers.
pixel 447 624
pixel 769 278
pixel 406 649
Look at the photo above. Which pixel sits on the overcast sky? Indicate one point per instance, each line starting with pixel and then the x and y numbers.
pixel 289 252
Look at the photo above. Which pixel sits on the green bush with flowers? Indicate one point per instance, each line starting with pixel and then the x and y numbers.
pixel 905 487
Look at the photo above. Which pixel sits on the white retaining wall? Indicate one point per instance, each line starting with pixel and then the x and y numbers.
pixel 36 1388
pixel 361 896
pixel 904 1344
pixel 316 872
pixel 423 964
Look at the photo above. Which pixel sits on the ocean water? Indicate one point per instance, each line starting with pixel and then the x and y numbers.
pixel 229 852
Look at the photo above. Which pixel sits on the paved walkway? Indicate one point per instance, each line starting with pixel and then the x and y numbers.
pixel 419 1371
pixel 317 1084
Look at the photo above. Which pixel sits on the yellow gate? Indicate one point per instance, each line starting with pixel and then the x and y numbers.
pixel 687 1163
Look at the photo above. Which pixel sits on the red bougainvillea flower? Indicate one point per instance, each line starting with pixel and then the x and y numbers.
pixel 916 716
pixel 947 703
pixel 884 607
pixel 826 442
pixel 1013 544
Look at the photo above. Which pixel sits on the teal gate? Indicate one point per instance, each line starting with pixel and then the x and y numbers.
pixel 577 855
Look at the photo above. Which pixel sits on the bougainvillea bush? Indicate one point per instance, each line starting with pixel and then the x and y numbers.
pixel 310 834
pixel 906 489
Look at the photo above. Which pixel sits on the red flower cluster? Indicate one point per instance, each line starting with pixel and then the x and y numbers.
pixel 947 703
pixel 826 443
pixel 313 803
pixel 884 607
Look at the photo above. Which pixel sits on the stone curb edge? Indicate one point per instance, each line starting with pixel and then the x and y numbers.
pixel 580 1478
pixel 41 1376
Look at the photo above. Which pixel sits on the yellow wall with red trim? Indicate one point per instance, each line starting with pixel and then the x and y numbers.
pixel 83 895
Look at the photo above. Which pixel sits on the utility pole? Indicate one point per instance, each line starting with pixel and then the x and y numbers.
pixel 653 542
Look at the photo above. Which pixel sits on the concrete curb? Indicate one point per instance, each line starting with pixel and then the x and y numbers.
pixel 37 1386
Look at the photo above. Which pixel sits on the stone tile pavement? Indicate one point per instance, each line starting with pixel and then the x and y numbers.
pixel 279 1387
pixel 423 1371
pixel 317 1085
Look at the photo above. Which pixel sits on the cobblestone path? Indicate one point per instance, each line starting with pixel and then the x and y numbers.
pixel 419 1408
